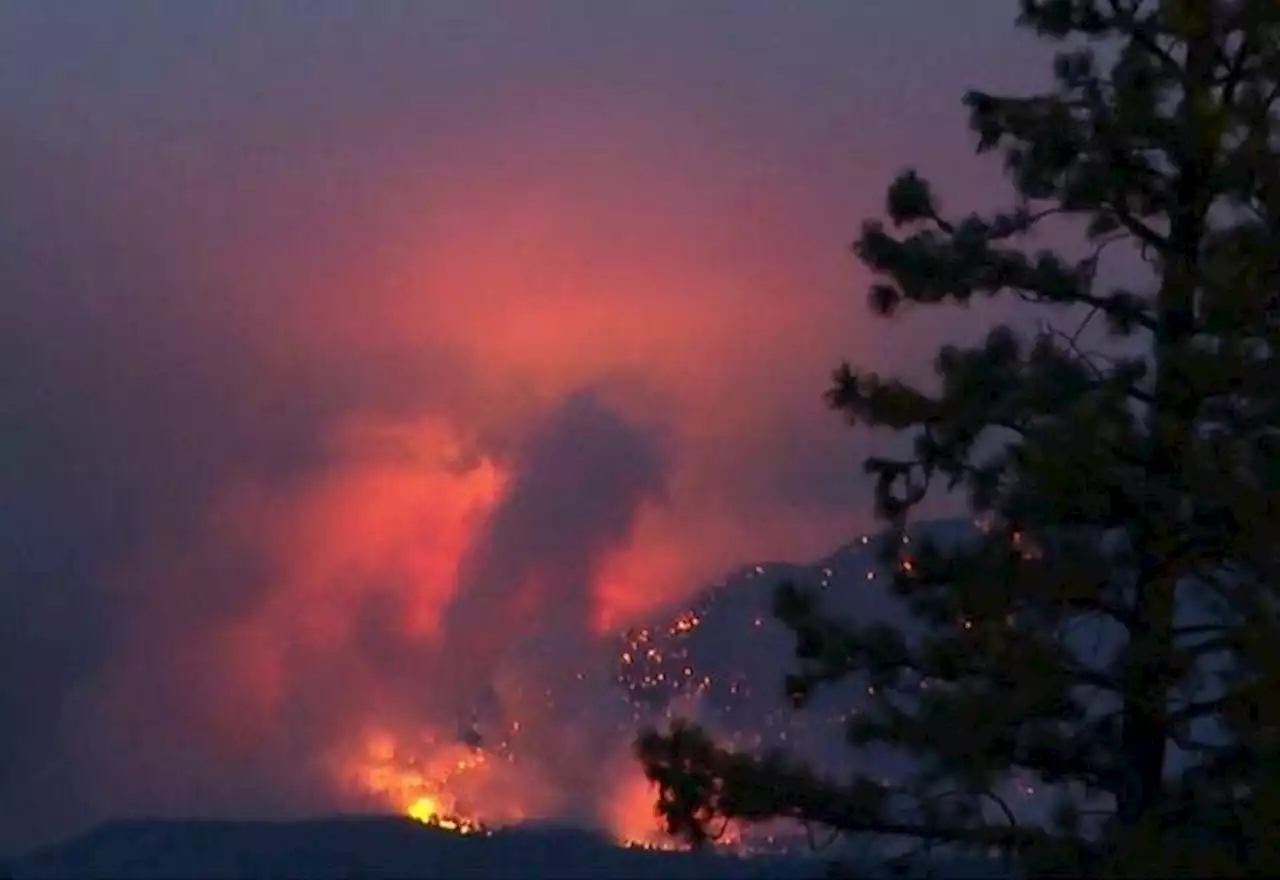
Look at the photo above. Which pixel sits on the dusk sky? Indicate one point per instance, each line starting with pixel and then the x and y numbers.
pixel 333 333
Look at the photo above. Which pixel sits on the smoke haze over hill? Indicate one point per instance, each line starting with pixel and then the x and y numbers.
pixel 372 366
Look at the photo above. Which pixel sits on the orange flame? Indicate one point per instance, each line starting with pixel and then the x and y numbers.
pixel 456 788
pixel 432 789
pixel 633 816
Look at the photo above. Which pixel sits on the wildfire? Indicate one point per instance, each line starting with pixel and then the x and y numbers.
pixel 433 787
pixel 465 783
pixel 634 817
pixel 464 790
pixel 426 810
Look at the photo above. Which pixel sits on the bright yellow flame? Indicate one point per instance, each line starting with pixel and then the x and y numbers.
pixel 427 810
pixel 424 809
pixel 428 784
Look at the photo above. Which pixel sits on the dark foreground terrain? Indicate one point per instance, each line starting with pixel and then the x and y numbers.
pixel 391 847
pixel 369 848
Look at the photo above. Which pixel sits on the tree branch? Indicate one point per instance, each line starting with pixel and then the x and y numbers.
pixel 1104 304
pixel 1141 231
pixel 1201 709
pixel 1235 74
pixel 1128 22
pixel 830 812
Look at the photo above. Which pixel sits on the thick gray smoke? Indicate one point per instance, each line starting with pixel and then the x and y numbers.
pixel 577 491
pixel 520 626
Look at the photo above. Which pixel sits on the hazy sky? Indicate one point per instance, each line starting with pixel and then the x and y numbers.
pixel 318 315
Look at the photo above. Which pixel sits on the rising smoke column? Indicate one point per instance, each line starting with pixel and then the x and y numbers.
pixel 519 629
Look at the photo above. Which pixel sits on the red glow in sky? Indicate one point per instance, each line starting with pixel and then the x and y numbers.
pixel 301 304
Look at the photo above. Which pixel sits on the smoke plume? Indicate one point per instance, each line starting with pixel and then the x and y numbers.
pixel 359 368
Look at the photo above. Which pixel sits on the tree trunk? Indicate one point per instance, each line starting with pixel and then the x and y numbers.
pixel 1171 424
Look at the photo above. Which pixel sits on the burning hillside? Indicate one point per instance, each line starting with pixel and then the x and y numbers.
pixel 719 660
